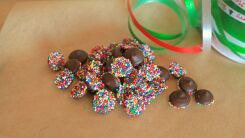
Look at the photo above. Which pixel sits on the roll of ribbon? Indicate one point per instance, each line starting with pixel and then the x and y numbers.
pixel 157 37
pixel 228 30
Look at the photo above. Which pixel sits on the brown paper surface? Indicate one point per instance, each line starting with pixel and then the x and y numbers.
pixel 32 106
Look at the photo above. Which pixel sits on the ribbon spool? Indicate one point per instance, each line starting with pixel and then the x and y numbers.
pixel 156 37
pixel 228 29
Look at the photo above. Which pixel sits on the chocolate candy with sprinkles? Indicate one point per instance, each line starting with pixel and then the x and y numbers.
pixel 204 97
pixel 79 90
pixel 80 55
pixel 104 101
pixel 188 85
pixel 56 61
pixel 179 99
pixel 135 56
pixel 111 82
pixel 64 79
pixel 164 74
pixel 121 67
pixel 176 70
pixel 116 52
pixel 73 65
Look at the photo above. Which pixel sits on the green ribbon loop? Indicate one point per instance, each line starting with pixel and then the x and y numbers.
pixel 162 36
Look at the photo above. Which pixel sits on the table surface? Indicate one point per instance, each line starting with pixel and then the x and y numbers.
pixel 31 106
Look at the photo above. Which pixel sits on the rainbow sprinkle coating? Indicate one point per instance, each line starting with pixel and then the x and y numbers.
pixel 79 90
pixel 94 66
pixel 64 79
pixel 150 71
pixel 121 67
pixel 176 70
pixel 56 60
pixel 134 79
pixel 104 101
pixel 147 52
pixel 159 85
pixel 123 93
pixel 134 105
pixel 99 52
pixel 94 81
pixel 81 74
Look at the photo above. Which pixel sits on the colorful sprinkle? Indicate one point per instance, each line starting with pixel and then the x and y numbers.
pixel 94 66
pixel 79 90
pixel 121 67
pixel 94 81
pixel 134 79
pixel 176 70
pixel 148 53
pixel 150 71
pixel 123 93
pixel 56 61
pixel 159 85
pixel 134 105
pixel 99 53
pixel 104 101
pixel 64 79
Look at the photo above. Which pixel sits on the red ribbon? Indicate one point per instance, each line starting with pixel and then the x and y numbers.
pixel 193 49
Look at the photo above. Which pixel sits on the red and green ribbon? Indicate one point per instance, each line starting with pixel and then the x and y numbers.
pixel 157 37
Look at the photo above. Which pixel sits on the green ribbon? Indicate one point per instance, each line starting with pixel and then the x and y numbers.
pixel 193 19
pixel 216 12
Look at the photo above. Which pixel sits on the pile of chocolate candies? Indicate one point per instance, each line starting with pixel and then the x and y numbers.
pixel 121 72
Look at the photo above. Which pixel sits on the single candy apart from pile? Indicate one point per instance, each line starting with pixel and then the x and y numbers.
pixel 79 90
pixel 111 82
pixel 64 79
pixel 204 97
pixel 56 60
pixel 150 71
pixel 73 65
pixel 164 73
pixel 80 55
pixel 134 105
pixel 147 52
pixel 94 66
pixel 179 99
pixel 99 53
pixel 188 85
pixel 135 56
pixel 104 101
pixel 94 81
pixel 121 67
pixel 176 70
